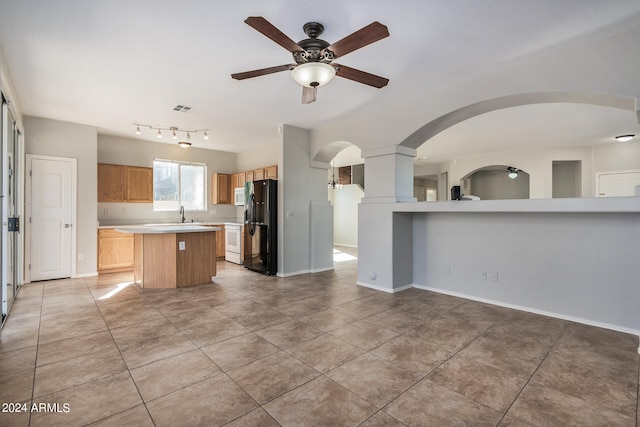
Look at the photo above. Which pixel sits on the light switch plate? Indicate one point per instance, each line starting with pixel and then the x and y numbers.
pixel 181 246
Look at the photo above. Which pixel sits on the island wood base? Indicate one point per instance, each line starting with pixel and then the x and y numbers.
pixel 159 262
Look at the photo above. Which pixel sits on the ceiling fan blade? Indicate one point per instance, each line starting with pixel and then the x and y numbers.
pixel 361 38
pixel 309 94
pixel 268 29
pixel 261 72
pixel 360 76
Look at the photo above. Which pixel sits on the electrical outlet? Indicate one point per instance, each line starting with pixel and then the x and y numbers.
pixel 484 275
pixel 494 276
pixel 181 246
pixel 446 269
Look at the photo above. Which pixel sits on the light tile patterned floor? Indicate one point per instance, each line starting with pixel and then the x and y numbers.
pixel 311 350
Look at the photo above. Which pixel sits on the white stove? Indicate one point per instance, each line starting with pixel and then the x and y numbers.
pixel 233 242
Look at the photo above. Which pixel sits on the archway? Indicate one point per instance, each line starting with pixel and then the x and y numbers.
pixel 496 182
pixel 452 118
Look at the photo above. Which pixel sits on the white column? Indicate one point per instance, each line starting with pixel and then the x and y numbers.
pixel 385 238
pixel 388 174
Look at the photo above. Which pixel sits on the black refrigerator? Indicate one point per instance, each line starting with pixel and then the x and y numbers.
pixel 260 226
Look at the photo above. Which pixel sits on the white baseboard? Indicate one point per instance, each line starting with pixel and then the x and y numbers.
pixel 77 276
pixel 383 289
pixel 533 310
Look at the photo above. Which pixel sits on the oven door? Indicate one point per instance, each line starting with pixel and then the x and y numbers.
pixel 233 243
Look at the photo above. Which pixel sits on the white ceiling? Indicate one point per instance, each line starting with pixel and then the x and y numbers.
pixel 110 63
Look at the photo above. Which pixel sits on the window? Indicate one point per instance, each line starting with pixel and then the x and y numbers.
pixel 178 184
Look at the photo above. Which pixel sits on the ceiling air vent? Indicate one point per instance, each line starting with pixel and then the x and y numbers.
pixel 182 108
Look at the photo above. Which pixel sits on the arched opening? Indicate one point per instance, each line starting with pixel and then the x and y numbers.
pixel 536 130
pixel 496 182
pixel 346 168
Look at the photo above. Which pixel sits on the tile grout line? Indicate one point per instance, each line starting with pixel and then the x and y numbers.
pixel 123 361
pixel 35 363
pixel 566 326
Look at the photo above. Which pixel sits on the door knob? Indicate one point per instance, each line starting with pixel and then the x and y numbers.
pixel 67 226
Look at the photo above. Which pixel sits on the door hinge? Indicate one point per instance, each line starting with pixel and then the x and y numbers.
pixel 14 223
pixel 29 267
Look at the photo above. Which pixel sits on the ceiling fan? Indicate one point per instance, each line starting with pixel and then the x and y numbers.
pixel 313 56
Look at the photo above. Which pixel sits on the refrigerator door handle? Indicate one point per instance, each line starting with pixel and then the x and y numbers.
pixel 252 219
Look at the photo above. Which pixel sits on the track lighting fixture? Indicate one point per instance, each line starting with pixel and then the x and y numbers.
pixel 174 132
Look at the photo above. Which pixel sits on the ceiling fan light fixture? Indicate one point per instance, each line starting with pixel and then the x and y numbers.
pixel 313 74
pixel 184 144
pixel 625 138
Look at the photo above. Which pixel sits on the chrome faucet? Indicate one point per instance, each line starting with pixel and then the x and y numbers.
pixel 182 218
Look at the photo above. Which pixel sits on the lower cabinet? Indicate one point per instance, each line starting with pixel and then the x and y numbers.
pixel 115 251
pixel 220 243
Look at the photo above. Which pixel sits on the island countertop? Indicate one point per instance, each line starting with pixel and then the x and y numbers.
pixel 166 229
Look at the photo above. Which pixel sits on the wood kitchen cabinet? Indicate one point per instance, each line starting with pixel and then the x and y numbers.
pixel 115 251
pixel 220 189
pixel 271 172
pixel 241 179
pixel 248 176
pixel 220 243
pixel 258 174
pixel 234 181
pixel 112 183
pixel 124 184
pixel 139 184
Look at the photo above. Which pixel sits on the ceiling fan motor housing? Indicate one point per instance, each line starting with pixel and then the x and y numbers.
pixel 314 48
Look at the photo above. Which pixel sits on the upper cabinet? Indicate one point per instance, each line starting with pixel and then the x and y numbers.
pixel 124 184
pixel 258 174
pixel 220 189
pixel 271 172
pixel 112 183
pixel 139 184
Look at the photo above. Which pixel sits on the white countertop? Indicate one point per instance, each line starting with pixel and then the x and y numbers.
pixel 166 229
pixel 577 205
pixel 142 223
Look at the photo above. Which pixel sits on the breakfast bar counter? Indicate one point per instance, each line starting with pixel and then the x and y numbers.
pixel 173 256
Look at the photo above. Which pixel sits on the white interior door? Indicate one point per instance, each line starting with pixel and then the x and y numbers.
pixel 618 184
pixel 51 217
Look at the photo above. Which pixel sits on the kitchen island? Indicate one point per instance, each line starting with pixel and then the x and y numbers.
pixel 173 256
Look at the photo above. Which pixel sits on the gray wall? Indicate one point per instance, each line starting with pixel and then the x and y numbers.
pixel 566 176
pixel 305 215
pixel 62 139
pixel 617 156
pixel 489 185
pixel 258 157
pixel 134 152
pixel 572 265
